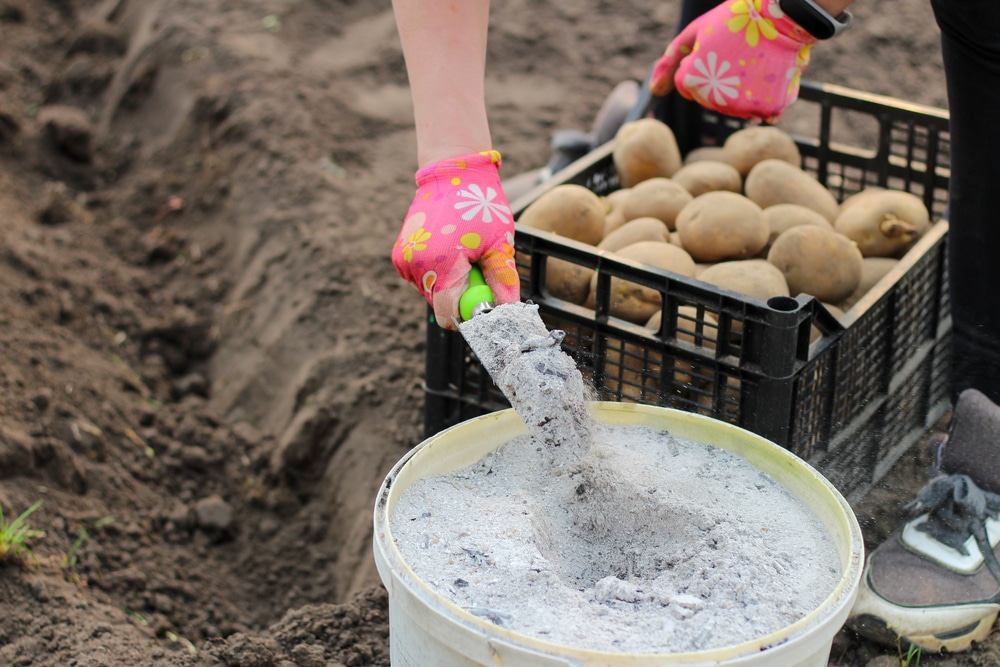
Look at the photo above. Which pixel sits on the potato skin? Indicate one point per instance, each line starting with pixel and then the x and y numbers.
pixel 873 269
pixel 702 153
pixel 722 225
pixel 656 197
pixel 860 196
pixel 567 281
pixel 645 148
pixel 754 277
pixel 613 216
pixel 708 176
pixel 636 303
pixel 569 210
pixel 784 216
pixel 633 231
pixel 817 261
pixel 774 181
pixel 885 223
pixel 746 147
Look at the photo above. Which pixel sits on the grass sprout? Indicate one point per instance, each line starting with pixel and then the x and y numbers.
pixel 911 658
pixel 14 536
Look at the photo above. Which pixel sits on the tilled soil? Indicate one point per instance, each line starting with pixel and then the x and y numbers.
pixel 207 361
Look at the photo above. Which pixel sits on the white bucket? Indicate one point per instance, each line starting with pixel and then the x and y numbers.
pixel 428 630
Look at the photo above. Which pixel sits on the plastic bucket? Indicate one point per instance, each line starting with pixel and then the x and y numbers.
pixel 428 630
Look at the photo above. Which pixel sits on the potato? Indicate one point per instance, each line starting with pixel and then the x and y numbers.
pixel 860 197
pixel 817 261
pixel 657 198
pixel 636 303
pixel 567 281
pixel 633 231
pixel 636 372
pixel 701 267
pixel 645 148
pixel 873 269
pixel 753 277
pixel 774 181
pixel 784 216
pixel 613 216
pixel 708 176
pixel 746 147
pixel 569 210
pixel 713 153
pixel 722 225
pixel 884 224
pixel 757 278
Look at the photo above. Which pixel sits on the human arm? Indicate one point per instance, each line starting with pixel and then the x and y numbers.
pixel 459 215
pixel 444 44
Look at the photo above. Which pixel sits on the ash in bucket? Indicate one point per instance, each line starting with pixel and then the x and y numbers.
pixel 608 538
pixel 699 550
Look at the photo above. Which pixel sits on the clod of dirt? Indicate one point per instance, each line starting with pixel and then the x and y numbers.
pixel 15 451
pixel 69 130
pixel 214 513
pixel 241 650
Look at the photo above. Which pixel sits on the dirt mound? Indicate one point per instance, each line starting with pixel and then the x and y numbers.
pixel 208 360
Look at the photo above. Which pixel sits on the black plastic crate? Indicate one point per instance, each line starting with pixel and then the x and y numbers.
pixel 850 401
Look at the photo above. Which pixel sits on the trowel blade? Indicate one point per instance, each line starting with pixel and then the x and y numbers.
pixel 541 382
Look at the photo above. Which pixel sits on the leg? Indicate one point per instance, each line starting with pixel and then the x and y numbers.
pixel 971 48
pixel 934 582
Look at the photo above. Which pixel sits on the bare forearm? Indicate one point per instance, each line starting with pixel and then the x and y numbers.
pixel 444 44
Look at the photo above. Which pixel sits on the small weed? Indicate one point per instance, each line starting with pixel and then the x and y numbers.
pixel 137 617
pixel 15 535
pixel 183 641
pixel 69 561
pixel 912 657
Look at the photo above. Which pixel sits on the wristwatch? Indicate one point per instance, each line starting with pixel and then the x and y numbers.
pixel 814 19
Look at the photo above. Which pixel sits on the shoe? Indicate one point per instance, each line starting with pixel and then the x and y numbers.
pixel 935 582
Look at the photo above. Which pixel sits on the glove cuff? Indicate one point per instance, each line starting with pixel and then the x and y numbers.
pixel 486 163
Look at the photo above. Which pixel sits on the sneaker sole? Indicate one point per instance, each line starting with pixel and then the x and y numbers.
pixel 949 628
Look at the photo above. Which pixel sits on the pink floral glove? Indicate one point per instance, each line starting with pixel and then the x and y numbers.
pixel 744 58
pixel 458 217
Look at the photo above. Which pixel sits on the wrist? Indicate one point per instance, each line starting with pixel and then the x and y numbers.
pixel 443 153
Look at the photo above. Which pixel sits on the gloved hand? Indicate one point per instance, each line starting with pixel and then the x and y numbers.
pixel 743 58
pixel 458 217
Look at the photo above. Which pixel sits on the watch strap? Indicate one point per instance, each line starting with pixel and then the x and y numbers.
pixel 814 19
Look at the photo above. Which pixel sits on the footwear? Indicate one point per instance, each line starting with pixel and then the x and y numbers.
pixel 936 581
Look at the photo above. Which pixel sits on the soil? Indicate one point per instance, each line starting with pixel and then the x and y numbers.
pixel 208 361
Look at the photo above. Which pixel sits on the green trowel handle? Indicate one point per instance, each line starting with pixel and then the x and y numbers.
pixel 478 298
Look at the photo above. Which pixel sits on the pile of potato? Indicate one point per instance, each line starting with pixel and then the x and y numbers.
pixel 743 216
